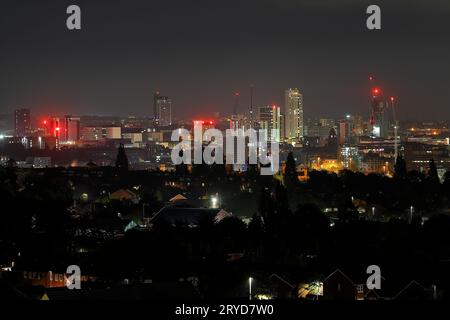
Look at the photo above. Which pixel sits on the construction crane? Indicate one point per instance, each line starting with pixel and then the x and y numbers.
pixel 234 123
pixel 251 107
pixel 395 128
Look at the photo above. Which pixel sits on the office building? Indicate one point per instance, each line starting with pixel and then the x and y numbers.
pixel 162 110
pixel 270 119
pixel 294 130
pixel 22 122
pixel 71 129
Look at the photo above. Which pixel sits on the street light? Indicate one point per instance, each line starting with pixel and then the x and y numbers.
pixel 143 212
pixel 250 279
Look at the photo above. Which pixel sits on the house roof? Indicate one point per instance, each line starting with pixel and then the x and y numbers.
pixel 360 277
pixel 178 197
pixel 188 216
pixel 411 287
pixel 123 194
pixel 275 276
pixel 336 272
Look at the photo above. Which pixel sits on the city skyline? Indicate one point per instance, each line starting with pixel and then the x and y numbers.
pixel 323 49
pixel 223 158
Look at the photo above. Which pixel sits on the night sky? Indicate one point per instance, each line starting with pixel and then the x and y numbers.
pixel 200 52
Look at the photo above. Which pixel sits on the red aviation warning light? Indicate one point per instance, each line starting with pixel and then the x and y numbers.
pixel 370 78
pixel 45 122
pixel 376 91
pixel 392 99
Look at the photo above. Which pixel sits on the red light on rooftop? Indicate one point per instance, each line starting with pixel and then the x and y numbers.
pixel 57 128
pixel 237 94
pixel 375 91
pixel 274 107
pixel 45 121
pixel 392 99
pixel 211 122
pixel 370 78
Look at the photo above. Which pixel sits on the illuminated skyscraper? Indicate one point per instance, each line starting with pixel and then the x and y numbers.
pixel 163 110
pixel 22 122
pixel 347 131
pixel 380 115
pixel 269 118
pixel 294 115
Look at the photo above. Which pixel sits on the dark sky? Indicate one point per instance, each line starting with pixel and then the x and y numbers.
pixel 199 52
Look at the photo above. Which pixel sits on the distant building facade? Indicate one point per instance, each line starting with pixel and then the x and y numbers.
pixel 162 110
pixel 294 115
pixel 270 119
pixel 22 122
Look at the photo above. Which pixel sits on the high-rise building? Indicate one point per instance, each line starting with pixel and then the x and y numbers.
pixel 163 110
pixel 156 96
pixel 57 128
pixel 22 122
pixel 293 115
pixel 71 129
pixel 318 130
pixel 346 131
pixel 380 117
pixel 270 119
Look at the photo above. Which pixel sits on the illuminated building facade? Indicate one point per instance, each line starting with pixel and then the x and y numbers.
pixel 294 115
pixel 162 110
pixel 71 129
pixel 270 119
pixel 350 158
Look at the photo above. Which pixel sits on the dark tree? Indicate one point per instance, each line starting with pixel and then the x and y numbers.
pixel 181 169
pixel 446 183
pixel 256 225
pixel 265 204
pixel 122 159
pixel 290 172
pixel 400 172
pixel 432 172
pixel 281 198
